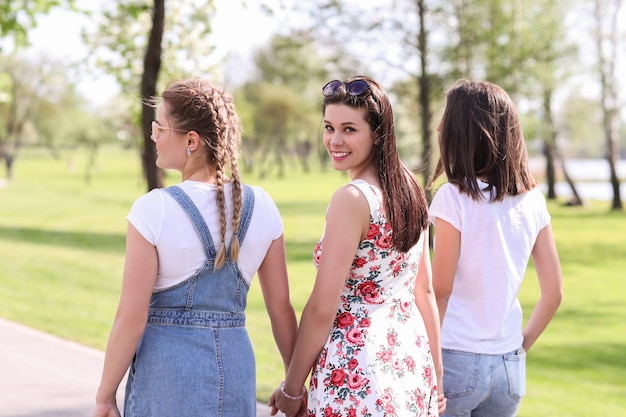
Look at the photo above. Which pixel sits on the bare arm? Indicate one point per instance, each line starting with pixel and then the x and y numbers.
pixel 140 270
pixel 427 305
pixel 274 283
pixel 548 269
pixel 347 221
pixel 445 260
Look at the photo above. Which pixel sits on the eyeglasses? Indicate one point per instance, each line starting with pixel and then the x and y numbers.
pixel 156 127
pixel 354 88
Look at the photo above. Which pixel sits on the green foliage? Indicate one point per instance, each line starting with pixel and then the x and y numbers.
pixel 64 248
pixel 119 38
pixel 17 18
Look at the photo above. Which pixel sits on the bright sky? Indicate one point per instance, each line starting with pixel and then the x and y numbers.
pixel 237 31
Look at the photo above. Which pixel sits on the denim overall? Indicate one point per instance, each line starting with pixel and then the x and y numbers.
pixel 195 358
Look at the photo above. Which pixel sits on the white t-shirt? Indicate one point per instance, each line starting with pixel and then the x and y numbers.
pixel 162 221
pixel 497 238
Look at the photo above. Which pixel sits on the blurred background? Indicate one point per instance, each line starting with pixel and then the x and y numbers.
pixel 73 73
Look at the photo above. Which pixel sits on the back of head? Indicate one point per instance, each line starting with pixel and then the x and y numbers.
pixel 481 138
pixel 201 106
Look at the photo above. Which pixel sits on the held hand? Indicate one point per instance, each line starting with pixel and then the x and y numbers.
pixel 441 403
pixel 304 412
pixel 272 402
pixel 106 410
pixel 291 406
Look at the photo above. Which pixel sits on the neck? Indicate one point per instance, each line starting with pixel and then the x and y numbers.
pixel 199 174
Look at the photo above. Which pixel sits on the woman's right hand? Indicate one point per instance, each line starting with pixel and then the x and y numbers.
pixel 106 410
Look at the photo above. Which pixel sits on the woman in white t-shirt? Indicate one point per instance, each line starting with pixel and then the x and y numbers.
pixel 191 253
pixel 489 220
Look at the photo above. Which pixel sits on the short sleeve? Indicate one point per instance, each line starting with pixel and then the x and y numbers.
pixel 445 206
pixel 146 215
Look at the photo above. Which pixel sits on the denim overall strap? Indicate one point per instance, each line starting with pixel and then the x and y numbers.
pixel 246 213
pixel 196 218
pixel 198 221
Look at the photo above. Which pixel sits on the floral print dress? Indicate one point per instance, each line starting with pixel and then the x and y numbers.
pixel 376 360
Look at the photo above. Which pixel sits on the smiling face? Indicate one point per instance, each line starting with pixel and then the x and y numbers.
pixel 348 139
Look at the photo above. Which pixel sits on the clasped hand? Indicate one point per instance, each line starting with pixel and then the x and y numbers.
pixel 291 408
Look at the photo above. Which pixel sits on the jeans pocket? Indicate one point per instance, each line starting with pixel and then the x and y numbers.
pixel 515 364
pixel 460 375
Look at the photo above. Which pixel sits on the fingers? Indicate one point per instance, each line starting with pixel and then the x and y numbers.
pixel 441 402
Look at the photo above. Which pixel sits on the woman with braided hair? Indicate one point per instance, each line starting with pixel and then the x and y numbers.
pixel 192 250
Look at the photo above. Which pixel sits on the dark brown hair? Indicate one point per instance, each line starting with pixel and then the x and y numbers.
pixel 403 197
pixel 200 106
pixel 481 138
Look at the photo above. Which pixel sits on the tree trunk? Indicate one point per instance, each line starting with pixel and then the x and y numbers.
pixel 549 143
pixel 575 200
pixel 424 98
pixel 607 44
pixel 151 68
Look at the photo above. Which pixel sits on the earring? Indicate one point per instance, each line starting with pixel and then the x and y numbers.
pixel 188 152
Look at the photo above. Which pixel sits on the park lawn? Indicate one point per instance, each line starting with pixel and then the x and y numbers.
pixel 62 250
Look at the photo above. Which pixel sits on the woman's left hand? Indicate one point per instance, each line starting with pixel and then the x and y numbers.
pixel 291 408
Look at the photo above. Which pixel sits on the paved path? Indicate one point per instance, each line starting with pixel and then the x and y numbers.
pixel 45 376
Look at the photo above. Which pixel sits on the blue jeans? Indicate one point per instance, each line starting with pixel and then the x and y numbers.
pixel 479 385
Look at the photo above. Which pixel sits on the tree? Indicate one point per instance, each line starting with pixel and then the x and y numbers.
pixel 283 102
pixel 17 18
pixel 392 39
pixel 23 85
pixel 519 37
pixel 606 13
pixel 141 42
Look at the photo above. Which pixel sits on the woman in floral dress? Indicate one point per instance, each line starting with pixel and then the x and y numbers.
pixel 369 332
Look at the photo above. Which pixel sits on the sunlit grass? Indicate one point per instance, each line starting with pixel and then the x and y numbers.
pixel 62 252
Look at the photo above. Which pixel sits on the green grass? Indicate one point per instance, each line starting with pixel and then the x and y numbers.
pixel 62 252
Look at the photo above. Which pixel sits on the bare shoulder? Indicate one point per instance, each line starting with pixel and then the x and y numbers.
pixel 348 197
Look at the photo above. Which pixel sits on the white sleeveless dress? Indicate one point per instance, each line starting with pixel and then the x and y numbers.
pixel 376 360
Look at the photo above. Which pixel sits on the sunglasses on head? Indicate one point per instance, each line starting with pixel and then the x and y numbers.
pixel 354 88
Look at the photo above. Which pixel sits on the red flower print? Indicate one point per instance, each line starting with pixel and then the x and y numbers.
pixel 355 381
pixel 420 402
pixel 359 262
pixel 405 306
pixel 344 320
pixel 367 287
pixel 390 410
pixel 385 355
pixel 397 268
pixel 391 339
pixel 383 242
pixel 355 336
pixel 317 253
pixel 373 232
pixel 365 322
pixel 428 374
pixel 352 412
pixel 353 363
pixel 369 291
pixel 410 363
pixel 337 377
